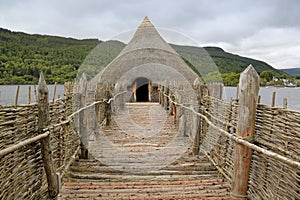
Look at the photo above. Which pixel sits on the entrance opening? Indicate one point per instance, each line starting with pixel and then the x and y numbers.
pixel 142 93
pixel 142 89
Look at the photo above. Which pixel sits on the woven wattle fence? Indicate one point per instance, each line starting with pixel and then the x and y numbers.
pixel 274 161
pixel 22 172
pixel 277 130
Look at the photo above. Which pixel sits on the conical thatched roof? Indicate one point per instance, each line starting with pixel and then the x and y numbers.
pixel 146 55
pixel 146 36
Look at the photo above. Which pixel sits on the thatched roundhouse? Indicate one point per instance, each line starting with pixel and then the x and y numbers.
pixel 146 61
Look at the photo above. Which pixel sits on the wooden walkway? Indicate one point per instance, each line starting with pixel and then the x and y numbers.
pixel 137 171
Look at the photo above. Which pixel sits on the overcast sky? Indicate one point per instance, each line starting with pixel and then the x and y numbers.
pixel 268 30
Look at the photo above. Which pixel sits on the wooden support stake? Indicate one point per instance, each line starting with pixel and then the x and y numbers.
pixel 17 96
pixel 273 99
pixel 175 113
pixel 196 146
pixel 68 87
pixel 29 95
pixel 162 96
pixel 248 93
pixel 285 103
pixel 43 122
pixel 166 99
pixel 108 106
pixel 83 117
pixel 34 91
pixel 54 92
pixel 237 92
pixel 159 94
pixel 171 106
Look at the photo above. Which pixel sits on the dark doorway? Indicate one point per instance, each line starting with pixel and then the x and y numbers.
pixel 142 93
pixel 142 90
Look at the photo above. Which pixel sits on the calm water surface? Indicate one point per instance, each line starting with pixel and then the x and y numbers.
pixel 292 95
pixel 7 95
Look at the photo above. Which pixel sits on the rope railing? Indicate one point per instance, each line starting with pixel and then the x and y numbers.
pixel 15 147
pixel 69 117
pixel 108 101
pixel 47 130
pixel 238 139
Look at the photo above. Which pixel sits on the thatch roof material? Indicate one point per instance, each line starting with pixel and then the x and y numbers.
pixel 145 48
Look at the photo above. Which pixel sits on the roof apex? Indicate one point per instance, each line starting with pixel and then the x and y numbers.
pixel 146 23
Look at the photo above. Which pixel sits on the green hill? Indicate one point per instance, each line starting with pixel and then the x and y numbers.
pixel 23 56
pixel 292 71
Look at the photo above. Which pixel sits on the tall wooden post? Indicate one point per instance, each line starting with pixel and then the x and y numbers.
pixel 134 88
pixel 196 146
pixel 17 96
pixel 108 106
pixel 68 96
pixel 166 99
pixel 159 93
pixel 83 117
pixel 43 122
pixel 248 94
pixel 150 89
pixel 162 90
pixel 172 98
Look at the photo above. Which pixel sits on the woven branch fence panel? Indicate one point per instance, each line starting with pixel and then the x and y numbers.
pixel 277 130
pixel 218 147
pixel 22 174
pixel 17 124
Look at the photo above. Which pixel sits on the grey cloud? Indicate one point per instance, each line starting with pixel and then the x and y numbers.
pixel 233 24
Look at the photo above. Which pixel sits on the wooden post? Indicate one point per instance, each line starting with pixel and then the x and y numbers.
pixel 175 113
pixel 237 92
pixel 285 103
pixel 196 146
pixel 83 117
pixel 204 94
pixel 68 97
pixel 200 124
pixel 166 99
pixel 159 93
pixel 162 90
pixel 43 122
pixel 172 98
pixel 107 106
pixel 150 89
pixel 258 100
pixel 134 91
pixel 54 92
pixel 273 99
pixel 29 95
pixel 248 94
pixel 34 92
pixel 17 96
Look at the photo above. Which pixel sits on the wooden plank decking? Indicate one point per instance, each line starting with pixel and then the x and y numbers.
pixel 186 177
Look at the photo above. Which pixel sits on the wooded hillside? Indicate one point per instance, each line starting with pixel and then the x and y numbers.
pixel 23 56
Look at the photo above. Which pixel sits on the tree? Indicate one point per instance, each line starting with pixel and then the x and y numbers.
pixel 267 75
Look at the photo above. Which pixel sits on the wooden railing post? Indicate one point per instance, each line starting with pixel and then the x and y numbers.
pixel 162 90
pixel 83 117
pixel 248 94
pixel 108 106
pixel 159 94
pixel 43 122
pixel 175 113
pixel 202 91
